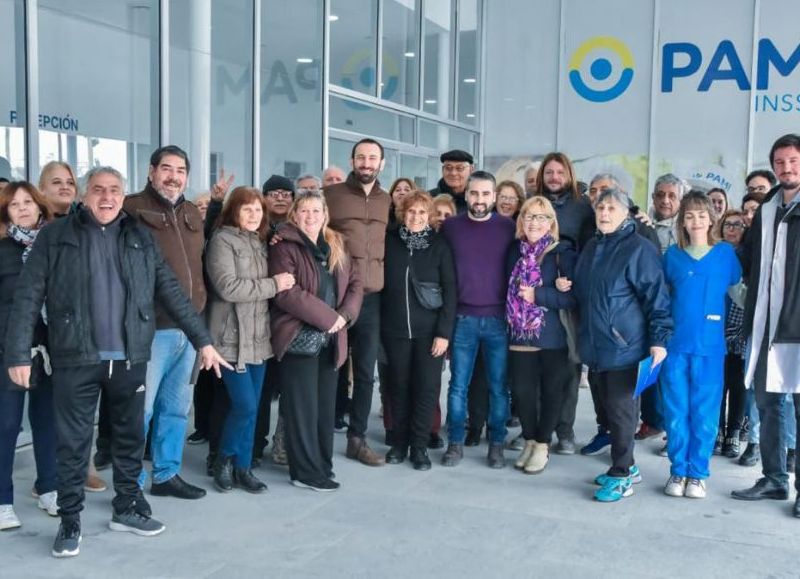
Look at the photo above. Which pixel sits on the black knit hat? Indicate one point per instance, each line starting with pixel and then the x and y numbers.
pixel 277 182
pixel 458 156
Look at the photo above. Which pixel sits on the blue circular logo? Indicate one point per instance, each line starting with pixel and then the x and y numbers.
pixel 601 69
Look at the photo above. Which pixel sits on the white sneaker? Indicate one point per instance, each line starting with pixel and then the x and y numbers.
pixel 8 518
pixel 49 502
pixel 676 486
pixel 696 489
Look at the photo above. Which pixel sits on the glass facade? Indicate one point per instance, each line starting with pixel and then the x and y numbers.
pixel 244 86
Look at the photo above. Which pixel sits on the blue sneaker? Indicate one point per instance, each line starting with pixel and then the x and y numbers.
pixel 636 477
pixel 614 490
pixel 597 444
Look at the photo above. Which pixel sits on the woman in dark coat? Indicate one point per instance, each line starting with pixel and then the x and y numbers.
pixel 415 334
pixel 309 335
pixel 23 212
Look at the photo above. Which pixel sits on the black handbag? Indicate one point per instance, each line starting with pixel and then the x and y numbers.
pixel 429 293
pixel 308 342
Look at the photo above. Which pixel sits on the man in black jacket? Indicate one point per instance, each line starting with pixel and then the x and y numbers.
pixel 771 265
pixel 98 272
pixel 457 166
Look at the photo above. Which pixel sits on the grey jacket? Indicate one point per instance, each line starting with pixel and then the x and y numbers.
pixel 238 318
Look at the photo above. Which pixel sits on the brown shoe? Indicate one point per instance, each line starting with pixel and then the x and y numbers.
pixel 94 484
pixel 358 449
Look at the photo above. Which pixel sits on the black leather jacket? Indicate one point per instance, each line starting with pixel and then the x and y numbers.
pixel 57 274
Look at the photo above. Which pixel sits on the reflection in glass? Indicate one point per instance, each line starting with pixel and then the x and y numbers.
pixel 364 119
pixel 352 44
pixel 103 114
pixel 438 23
pixel 468 58
pixel 291 88
pixel 400 81
pixel 210 93
pixel 12 107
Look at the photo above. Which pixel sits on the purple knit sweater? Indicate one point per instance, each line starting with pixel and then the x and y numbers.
pixel 479 249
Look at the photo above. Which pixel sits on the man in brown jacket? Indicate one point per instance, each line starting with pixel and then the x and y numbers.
pixel 177 227
pixel 359 210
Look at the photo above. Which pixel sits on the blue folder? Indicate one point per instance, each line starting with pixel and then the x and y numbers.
pixel 646 376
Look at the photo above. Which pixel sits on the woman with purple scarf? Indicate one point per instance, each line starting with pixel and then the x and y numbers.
pixel 539 363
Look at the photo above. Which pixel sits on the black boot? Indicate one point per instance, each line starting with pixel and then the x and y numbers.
pixel 223 473
pixel 718 443
pixel 210 460
pixel 419 458
pixel 396 455
pixel 245 479
pixel 731 446
pixel 751 455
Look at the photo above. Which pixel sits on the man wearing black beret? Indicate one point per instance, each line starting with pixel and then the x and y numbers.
pixel 457 165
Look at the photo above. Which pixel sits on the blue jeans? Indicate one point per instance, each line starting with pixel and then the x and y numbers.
pixel 490 334
pixel 751 411
pixel 167 401
pixel 244 390
pixel 41 414
pixel 692 392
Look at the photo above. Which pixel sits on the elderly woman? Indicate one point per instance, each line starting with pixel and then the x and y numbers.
pixel 443 208
pixel 624 317
pixel 538 358
pixel 23 211
pixel 699 272
pixel 309 335
pixel 238 318
pixel 510 198
pixel 416 329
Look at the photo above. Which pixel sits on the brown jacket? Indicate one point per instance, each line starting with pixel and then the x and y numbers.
pixel 293 307
pixel 178 231
pixel 362 219
pixel 238 318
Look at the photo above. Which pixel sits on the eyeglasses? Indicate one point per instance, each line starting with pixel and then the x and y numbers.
pixel 280 194
pixel 537 217
pixel 461 168
pixel 733 225
pixel 757 189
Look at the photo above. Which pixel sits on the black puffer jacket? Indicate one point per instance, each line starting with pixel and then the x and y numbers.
pixel 622 299
pixel 57 275
pixel 10 268
pixel 401 314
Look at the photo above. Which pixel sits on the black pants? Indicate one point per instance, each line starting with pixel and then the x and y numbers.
pixel 565 427
pixel 478 394
pixel 308 401
pixel 75 400
pixel 733 394
pixel 539 381
pixel 364 338
pixel 615 388
pixel 413 380
pixel 103 427
pixel 599 412
pixel 203 401
pixel 268 393
pixel 343 390
pixel 220 405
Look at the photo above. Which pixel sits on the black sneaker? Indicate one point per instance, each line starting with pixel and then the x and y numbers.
pixel 68 539
pixel 135 522
pixel 196 437
pixel 340 424
pixel 102 459
pixel 325 486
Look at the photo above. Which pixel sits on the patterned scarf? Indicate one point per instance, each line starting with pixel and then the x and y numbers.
pixel 25 237
pixel 418 240
pixel 525 320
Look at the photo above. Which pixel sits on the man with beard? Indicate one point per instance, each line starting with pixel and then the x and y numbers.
pixel 359 210
pixel 771 263
pixel 480 240
pixel 177 227
pixel 456 168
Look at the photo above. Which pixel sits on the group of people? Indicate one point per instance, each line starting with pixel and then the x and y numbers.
pixel 133 299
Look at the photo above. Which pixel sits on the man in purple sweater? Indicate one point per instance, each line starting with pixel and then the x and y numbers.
pixel 480 240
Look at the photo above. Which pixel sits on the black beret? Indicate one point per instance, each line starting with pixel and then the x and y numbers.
pixel 458 156
pixel 277 182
